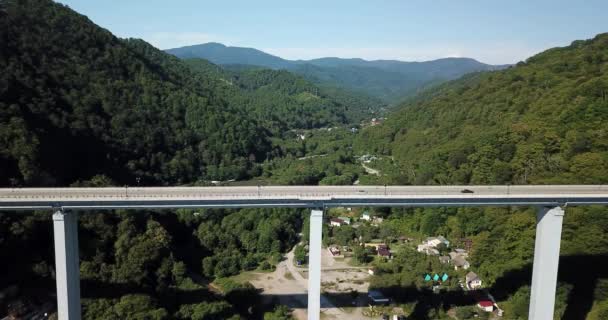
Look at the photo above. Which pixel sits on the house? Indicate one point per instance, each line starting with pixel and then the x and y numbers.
pixel 383 251
pixel 376 245
pixel 486 305
pixel 377 297
pixel 444 259
pixel 472 281
pixel 376 121
pixel 336 222
pixel 377 221
pixel 366 216
pixel 429 246
pixel 435 241
pixel 460 263
pixel 462 252
pixel 458 259
pixel 345 220
pixel 429 251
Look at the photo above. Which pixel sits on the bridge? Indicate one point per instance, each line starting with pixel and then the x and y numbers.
pixel 67 202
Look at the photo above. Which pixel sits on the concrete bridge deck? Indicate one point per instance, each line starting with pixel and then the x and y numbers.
pixel 300 196
pixel 550 199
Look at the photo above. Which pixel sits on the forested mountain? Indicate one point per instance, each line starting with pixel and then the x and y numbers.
pixel 540 122
pixel 390 80
pixel 221 54
pixel 76 101
pixel 282 101
pixel 81 107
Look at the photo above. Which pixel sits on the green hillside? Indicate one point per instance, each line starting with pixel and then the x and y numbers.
pixel 77 102
pixel 542 121
pixel 81 107
pixel 282 101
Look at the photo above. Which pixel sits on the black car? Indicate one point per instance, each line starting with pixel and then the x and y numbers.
pixel 467 191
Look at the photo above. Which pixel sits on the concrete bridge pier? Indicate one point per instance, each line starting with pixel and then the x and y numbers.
pixel 314 264
pixel 546 261
pixel 67 266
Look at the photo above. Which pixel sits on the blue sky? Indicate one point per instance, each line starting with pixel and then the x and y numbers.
pixel 488 30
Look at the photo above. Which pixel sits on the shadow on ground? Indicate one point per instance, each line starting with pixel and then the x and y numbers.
pixel 582 272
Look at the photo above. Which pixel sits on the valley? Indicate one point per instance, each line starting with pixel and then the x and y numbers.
pixel 81 107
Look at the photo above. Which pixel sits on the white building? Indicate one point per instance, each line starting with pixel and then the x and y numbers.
pixel 429 251
pixel 435 241
pixel 460 263
pixel 335 222
pixel 472 281
pixel 345 220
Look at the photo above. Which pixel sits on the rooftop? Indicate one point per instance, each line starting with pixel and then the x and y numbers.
pixel 485 303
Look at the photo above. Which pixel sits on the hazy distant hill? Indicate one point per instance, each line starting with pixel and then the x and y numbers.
pixel 221 54
pixel 389 80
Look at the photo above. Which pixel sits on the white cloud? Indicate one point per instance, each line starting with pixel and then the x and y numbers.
pixel 168 40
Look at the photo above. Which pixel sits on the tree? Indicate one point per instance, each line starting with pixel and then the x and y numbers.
pixel 279 313
pixel 343 235
pixel 137 306
pixel 300 254
pixel 206 311
pixel 518 306
pixel 599 311
pixel 361 255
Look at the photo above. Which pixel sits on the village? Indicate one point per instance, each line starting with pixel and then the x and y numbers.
pixel 375 250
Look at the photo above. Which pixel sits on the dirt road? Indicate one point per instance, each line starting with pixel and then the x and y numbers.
pixel 289 284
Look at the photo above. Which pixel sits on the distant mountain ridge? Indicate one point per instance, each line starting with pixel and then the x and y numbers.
pixel 390 80
pixel 221 54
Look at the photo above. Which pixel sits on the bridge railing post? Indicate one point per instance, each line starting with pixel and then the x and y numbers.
pixel 546 262
pixel 314 264
pixel 67 267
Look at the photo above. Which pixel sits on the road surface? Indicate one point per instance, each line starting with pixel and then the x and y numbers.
pixel 299 196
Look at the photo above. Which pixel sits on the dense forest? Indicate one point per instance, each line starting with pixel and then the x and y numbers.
pixel 126 109
pixel 281 101
pixel 539 122
pixel 81 107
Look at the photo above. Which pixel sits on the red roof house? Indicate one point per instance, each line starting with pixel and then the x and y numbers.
pixel 486 305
